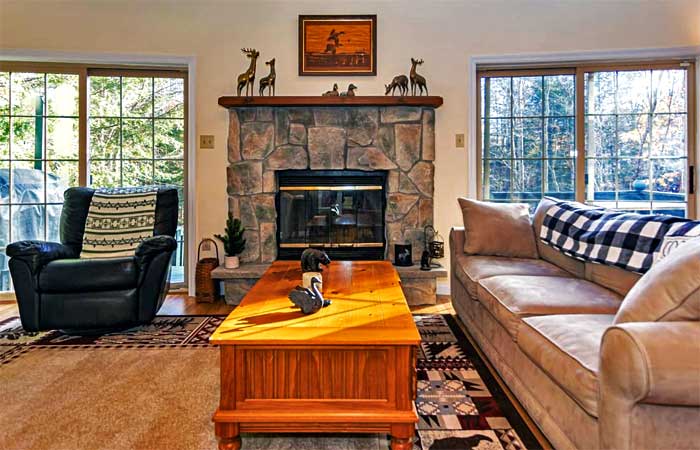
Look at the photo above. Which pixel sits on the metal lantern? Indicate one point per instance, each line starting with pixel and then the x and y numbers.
pixel 434 248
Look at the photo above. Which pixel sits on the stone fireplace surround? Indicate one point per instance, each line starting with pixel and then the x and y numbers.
pixel 396 139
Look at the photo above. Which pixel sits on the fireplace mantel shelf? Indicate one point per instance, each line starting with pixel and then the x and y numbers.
pixel 364 100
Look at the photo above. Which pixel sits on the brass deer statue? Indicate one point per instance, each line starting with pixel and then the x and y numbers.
pixel 268 81
pixel 417 81
pixel 247 78
pixel 399 81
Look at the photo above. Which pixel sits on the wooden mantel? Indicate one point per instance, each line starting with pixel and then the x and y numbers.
pixel 364 100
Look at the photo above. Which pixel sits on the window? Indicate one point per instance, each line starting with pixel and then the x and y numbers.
pixel 634 122
pixel 126 129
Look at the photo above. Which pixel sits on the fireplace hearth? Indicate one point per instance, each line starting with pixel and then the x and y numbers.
pixel 338 211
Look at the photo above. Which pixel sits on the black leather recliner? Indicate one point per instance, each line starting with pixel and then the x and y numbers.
pixel 57 290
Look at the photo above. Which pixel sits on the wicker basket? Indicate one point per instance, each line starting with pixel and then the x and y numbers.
pixel 205 286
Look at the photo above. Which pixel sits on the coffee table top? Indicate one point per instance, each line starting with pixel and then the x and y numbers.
pixel 368 308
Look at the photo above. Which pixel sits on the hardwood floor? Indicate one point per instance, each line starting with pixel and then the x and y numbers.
pixel 181 304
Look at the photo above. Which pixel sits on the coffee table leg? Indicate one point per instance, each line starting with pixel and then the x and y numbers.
pixel 228 436
pixel 402 436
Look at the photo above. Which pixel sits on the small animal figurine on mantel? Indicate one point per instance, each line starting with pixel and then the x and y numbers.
pixel 350 92
pixel 247 79
pixel 332 93
pixel 268 81
pixel 399 81
pixel 417 81
pixel 310 300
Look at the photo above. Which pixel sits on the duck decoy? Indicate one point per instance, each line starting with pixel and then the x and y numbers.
pixel 309 300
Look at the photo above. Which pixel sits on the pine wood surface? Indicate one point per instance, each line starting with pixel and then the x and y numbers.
pixel 317 100
pixel 368 308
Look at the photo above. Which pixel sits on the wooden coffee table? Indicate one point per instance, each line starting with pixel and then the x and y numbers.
pixel 348 368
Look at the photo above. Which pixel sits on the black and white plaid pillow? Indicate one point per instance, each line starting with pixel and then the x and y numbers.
pixel 627 240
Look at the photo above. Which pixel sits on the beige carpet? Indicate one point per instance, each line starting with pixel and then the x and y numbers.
pixel 129 398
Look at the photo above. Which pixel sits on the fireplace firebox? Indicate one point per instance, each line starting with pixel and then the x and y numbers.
pixel 338 211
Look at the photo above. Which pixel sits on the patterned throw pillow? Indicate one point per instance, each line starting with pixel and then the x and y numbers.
pixel 669 244
pixel 117 222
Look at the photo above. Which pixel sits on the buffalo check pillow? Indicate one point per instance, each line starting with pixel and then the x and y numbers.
pixel 622 239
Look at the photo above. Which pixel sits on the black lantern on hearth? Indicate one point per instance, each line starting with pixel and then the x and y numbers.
pixel 434 248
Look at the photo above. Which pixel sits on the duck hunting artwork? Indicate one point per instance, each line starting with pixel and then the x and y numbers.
pixel 338 45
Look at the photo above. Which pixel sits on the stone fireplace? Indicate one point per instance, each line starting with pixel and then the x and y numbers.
pixel 399 140
pixel 271 137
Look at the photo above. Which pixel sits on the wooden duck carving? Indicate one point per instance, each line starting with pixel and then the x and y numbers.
pixel 309 300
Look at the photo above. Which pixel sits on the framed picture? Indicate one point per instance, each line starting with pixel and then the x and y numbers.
pixel 338 45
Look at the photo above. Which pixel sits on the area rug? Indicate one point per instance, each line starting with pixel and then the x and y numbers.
pixel 156 386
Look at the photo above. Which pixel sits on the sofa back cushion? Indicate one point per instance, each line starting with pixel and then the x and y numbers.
pixel 669 291
pixel 571 265
pixel 497 229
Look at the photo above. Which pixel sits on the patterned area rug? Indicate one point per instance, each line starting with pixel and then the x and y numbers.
pixel 459 404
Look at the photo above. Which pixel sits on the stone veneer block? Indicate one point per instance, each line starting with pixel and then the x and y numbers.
pixel 422 176
pixel 245 177
pixel 406 185
pixel 368 158
pixel 407 141
pixel 394 114
pixel 425 212
pixel 281 126
pixel 297 134
pixel 252 246
pixel 257 139
pixel 428 134
pixel 234 137
pixel 385 141
pixel 247 215
pixel 362 125
pixel 264 114
pixel 287 157
pixel 330 116
pixel 268 243
pixel 264 207
pixel 419 291
pixel 301 115
pixel 398 205
pixel 326 148
pixel 235 290
pixel 392 182
pixel 269 181
pixel 246 114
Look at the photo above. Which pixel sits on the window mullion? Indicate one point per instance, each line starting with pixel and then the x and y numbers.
pixel 83 128
pixel 579 126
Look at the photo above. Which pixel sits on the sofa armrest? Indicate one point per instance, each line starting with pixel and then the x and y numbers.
pixel 152 247
pixel 646 363
pixel 456 240
pixel 39 253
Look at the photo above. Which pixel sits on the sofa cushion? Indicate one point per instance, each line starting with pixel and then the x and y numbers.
pixel 88 275
pixel 486 224
pixel 469 269
pixel 669 291
pixel 510 298
pixel 566 347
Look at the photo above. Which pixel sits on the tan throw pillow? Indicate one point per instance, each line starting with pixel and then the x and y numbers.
pixel 497 229
pixel 669 291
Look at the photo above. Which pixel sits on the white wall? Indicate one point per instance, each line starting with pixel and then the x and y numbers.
pixel 444 33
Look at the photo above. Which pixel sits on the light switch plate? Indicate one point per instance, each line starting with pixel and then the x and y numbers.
pixel 459 140
pixel 206 141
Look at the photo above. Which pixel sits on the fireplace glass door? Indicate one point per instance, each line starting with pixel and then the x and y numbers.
pixel 339 219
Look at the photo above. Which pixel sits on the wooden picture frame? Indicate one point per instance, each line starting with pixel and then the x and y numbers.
pixel 338 45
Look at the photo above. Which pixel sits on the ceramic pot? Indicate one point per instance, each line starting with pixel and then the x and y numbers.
pixel 231 262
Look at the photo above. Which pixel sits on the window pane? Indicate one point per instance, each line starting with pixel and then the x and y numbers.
pixel 600 174
pixel 104 96
pixel 527 138
pixel 600 93
pixel 559 95
pixel 4 181
pixel 104 138
pixel 137 97
pixel 560 178
pixel 27 90
pixel 62 93
pixel 633 134
pixel 169 172
pixel 4 93
pixel 169 97
pixel 600 136
pixel 105 173
pixel 27 222
pixel 170 138
pixel 53 221
pixel 4 138
pixel 668 136
pixel 137 138
pixel 500 98
pixel 62 138
pixel 496 134
pixel 137 173
pixel 4 227
pixel 560 137
pixel 527 96
pixel 23 139
pixel 498 180
pixel 527 179
pixel 668 90
pixel 27 182
pixel 634 92
pixel 633 179
pixel 61 174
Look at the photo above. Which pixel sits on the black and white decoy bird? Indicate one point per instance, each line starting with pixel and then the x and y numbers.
pixel 309 300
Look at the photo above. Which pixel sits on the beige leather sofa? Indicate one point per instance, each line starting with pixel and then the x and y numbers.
pixel 588 378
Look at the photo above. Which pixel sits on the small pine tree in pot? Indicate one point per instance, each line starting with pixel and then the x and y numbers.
pixel 233 241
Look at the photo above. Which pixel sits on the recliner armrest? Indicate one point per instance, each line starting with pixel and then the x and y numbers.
pixel 39 253
pixel 152 247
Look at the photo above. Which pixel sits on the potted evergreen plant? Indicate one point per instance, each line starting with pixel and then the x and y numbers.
pixel 234 244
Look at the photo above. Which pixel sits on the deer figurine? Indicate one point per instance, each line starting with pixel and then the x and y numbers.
pixel 268 81
pixel 417 81
pixel 399 81
pixel 247 78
